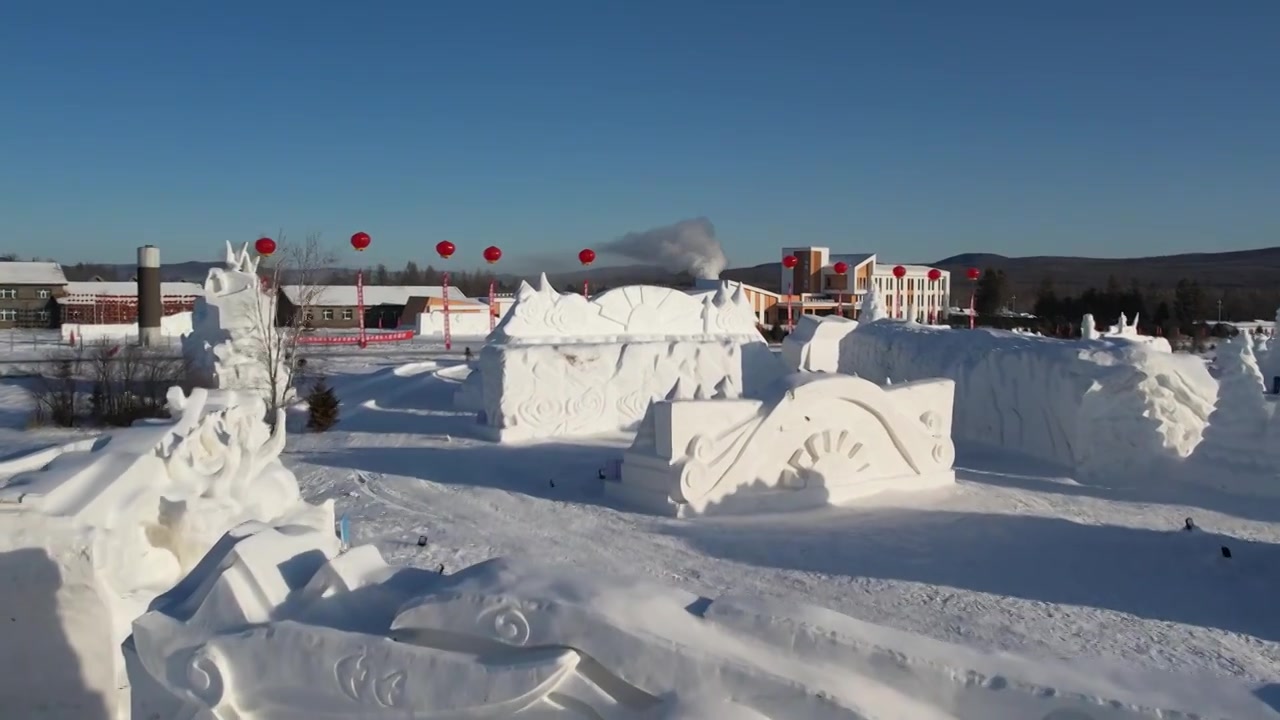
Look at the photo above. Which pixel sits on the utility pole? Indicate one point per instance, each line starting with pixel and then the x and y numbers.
pixel 1219 309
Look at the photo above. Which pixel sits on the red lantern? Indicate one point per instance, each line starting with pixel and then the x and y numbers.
pixel 841 267
pixel 492 254
pixel 899 272
pixel 935 274
pixel 265 246
pixel 790 261
pixel 974 273
pixel 360 241
pixel 445 249
pixel 587 256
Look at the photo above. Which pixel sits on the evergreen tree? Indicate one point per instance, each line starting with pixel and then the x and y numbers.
pixel 1047 305
pixel 991 292
pixel 322 410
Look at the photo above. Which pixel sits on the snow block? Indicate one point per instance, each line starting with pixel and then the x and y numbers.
pixel 559 365
pixel 279 626
pixel 819 440
pixel 814 344
pixel 91 532
pixel 1104 408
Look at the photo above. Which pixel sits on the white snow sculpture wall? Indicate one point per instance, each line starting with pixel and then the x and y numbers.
pixel 171 326
pixel 1101 407
pixel 820 439
pixel 91 532
pixel 234 332
pixel 562 365
pixel 471 323
pixel 814 344
pixel 275 624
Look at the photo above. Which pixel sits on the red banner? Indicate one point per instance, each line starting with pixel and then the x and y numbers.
pixel 355 339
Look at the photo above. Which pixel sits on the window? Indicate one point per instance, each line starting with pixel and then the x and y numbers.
pixel 43 316
pixel 326 314
pixel 348 314
pixel 8 314
pixel 8 293
pixel 43 293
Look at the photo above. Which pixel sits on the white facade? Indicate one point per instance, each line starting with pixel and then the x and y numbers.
pixel 930 299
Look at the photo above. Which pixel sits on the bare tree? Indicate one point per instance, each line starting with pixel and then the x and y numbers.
pixel 292 284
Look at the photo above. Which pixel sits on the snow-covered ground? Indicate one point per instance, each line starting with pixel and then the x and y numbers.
pixel 1015 557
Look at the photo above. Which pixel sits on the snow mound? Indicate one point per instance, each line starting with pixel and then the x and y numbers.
pixel 416 368
pixel 814 344
pixel 116 520
pixel 1103 407
pixel 822 439
pixel 275 624
pixel 559 365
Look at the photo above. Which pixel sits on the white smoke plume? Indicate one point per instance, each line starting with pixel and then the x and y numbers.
pixel 687 246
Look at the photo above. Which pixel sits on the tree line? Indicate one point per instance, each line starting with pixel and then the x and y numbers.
pixel 1187 308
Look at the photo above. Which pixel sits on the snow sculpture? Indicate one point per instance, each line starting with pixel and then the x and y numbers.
pixel 1089 328
pixel 820 439
pixel 814 345
pixel 871 308
pixel 275 624
pixel 563 365
pixel 1269 357
pixel 1108 408
pixel 114 521
pixel 1238 434
pixel 233 340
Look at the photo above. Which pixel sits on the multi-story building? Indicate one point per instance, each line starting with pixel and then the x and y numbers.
pixel 814 287
pixel 111 303
pixel 27 293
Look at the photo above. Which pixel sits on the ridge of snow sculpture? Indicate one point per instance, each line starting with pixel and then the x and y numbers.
pixel 276 624
pixel 820 439
pixel 871 309
pixel 234 331
pixel 559 364
pixel 122 517
pixel 814 344
pixel 631 313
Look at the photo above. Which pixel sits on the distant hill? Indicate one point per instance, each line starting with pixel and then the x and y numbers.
pixel 1236 270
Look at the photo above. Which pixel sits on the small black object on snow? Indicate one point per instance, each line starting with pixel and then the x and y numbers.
pixel 422 541
pixel 1189 524
pixel 552 482
pixel 1226 552
pixel 600 473
pixel 440 570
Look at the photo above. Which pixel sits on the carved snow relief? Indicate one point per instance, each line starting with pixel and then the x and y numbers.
pixel 560 365
pixel 821 440
pixel 277 625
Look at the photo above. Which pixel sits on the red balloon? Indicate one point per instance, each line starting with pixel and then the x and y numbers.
pixel 899 271
pixel 360 241
pixel 974 273
pixel 445 249
pixel 935 274
pixel 587 256
pixel 841 267
pixel 790 261
pixel 265 246
pixel 492 254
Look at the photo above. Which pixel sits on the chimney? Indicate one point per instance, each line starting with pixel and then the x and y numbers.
pixel 150 307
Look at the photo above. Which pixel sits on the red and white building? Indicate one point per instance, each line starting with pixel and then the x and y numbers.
pixel 814 287
pixel 116 303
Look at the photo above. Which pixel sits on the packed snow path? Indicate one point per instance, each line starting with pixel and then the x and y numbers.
pixel 1013 558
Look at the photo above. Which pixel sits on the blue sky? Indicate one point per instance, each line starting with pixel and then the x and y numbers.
pixel 913 129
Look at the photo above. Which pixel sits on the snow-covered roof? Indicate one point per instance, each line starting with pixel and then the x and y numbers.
pixel 31 273
pixel 130 288
pixel 345 295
